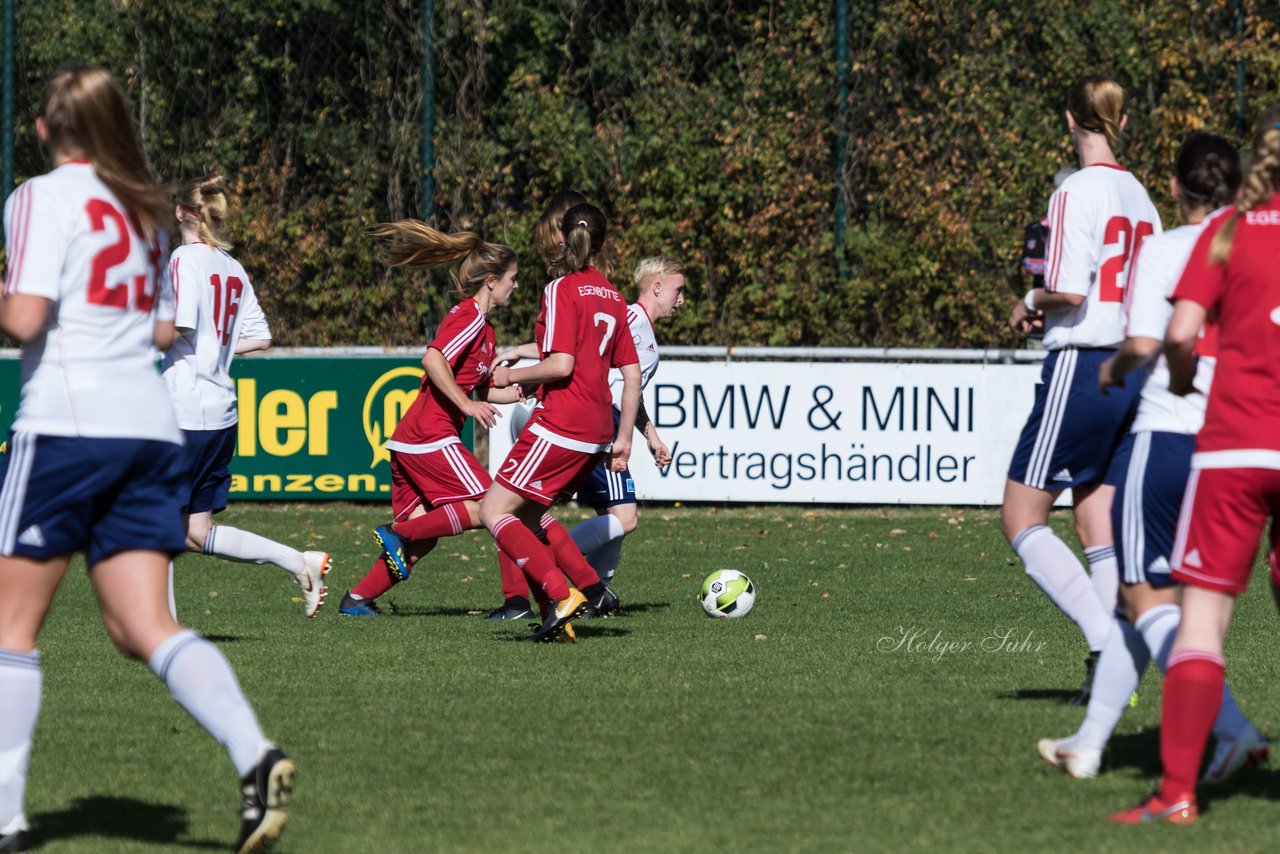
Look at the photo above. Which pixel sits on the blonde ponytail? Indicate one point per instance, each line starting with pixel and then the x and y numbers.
pixel 1260 183
pixel 412 243
pixel 204 205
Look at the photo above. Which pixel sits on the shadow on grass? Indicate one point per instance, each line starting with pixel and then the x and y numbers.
pixel 641 607
pixel 122 818
pixel 228 638
pixel 1057 695
pixel 435 611
pixel 1137 750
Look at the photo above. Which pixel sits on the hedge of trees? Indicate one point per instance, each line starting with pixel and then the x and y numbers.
pixel 705 128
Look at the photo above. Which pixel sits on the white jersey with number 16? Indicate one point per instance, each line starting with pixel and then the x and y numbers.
pixel 1097 218
pixel 216 305
pixel 91 371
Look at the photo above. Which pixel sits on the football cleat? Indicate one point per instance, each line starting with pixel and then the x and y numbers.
pixel 514 608
pixel 1155 808
pixel 393 548
pixel 359 607
pixel 560 615
pixel 604 604
pixel 1231 756
pixel 15 841
pixel 267 790
pixel 1060 753
pixel 315 566
pixel 569 636
pixel 1081 697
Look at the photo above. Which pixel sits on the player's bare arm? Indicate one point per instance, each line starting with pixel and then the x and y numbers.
pixel 22 316
pixel 441 377
pixel 252 345
pixel 511 355
pixel 1180 344
pixel 1134 352
pixel 621 450
pixel 556 366
pixel 166 332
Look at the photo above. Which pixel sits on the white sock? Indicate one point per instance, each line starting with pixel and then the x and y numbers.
pixel 248 547
pixel 173 603
pixel 1104 571
pixel 1158 626
pixel 604 560
pixel 591 534
pixel 1055 570
pixel 19 708
pixel 202 682
pixel 1117 674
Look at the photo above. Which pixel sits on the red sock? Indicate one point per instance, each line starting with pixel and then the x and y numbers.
pixel 443 521
pixel 541 598
pixel 568 556
pixel 531 555
pixel 514 584
pixel 1192 696
pixel 376 581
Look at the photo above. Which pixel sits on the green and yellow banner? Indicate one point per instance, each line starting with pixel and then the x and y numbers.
pixel 310 427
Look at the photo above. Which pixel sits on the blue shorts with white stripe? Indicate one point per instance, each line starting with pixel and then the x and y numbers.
pixel 1144 514
pixel 1073 430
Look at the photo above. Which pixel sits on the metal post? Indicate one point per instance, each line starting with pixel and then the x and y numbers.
pixel 7 129
pixel 1240 104
pixel 842 126
pixel 428 150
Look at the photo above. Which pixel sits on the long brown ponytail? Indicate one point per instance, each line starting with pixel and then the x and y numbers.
pixel 412 243
pixel 85 112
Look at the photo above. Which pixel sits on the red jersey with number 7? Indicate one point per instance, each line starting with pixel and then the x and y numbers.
pixel 585 316
pixel 1096 220
pixel 1242 420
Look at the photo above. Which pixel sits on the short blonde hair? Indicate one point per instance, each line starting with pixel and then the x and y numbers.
pixel 658 265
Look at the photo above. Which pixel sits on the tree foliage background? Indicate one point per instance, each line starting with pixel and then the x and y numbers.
pixel 704 129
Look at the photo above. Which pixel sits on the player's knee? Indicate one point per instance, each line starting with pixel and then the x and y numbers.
pixel 197 533
pixel 472 509
pixel 628 521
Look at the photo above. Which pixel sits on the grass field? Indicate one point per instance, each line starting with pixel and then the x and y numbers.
pixel 807 726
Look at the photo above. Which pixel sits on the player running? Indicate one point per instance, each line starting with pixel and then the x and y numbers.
pixel 95 463
pixel 1150 492
pixel 218 318
pixel 436 482
pixel 1096 219
pixel 578 335
pixel 660 284
pixel 1235 472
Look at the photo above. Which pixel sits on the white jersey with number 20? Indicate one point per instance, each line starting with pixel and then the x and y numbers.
pixel 1097 218
pixel 91 371
pixel 216 305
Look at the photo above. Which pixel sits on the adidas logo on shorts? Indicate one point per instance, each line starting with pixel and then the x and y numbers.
pixel 1192 558
pixel 33 537
pixel 1065 474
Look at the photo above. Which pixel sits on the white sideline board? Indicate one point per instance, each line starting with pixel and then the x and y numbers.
pixel 828 432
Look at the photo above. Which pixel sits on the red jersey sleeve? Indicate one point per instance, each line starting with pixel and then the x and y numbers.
pixel 560 317
pixel 1202 282
pixel 461 328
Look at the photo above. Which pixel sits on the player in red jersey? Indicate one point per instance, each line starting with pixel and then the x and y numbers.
pixel 581 334
pixel 1233 274
pixel 436 482
pixel 95 464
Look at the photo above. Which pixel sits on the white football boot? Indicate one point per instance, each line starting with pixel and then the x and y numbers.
pixel 315 566
pixel 1062 753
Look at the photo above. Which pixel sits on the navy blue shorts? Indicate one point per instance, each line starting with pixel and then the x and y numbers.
pixel 1073 429
pixel 1144 514
pixel 603 488
pixel 98 496
pixel 206 458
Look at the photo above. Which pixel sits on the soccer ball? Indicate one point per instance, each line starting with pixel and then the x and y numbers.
pixel 727 593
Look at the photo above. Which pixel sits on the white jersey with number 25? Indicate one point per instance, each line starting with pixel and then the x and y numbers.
pixel 1097 218
pixel 91 371
pixel 216 305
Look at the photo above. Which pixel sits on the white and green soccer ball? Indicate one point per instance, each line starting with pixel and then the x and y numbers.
pixel 727 593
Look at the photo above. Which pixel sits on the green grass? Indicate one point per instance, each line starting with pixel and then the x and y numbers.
pixel 793 729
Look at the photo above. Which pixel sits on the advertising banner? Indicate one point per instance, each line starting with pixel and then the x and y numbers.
pixel 829 432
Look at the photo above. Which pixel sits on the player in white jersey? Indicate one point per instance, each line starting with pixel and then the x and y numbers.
pixel 1149 494
pixel 1096 219
pixel 218 317
pixel 660 285
pixel 95 459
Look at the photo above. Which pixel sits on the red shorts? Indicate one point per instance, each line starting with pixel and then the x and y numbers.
pixel 443 476
pixel 542 469
pixel 1223 515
